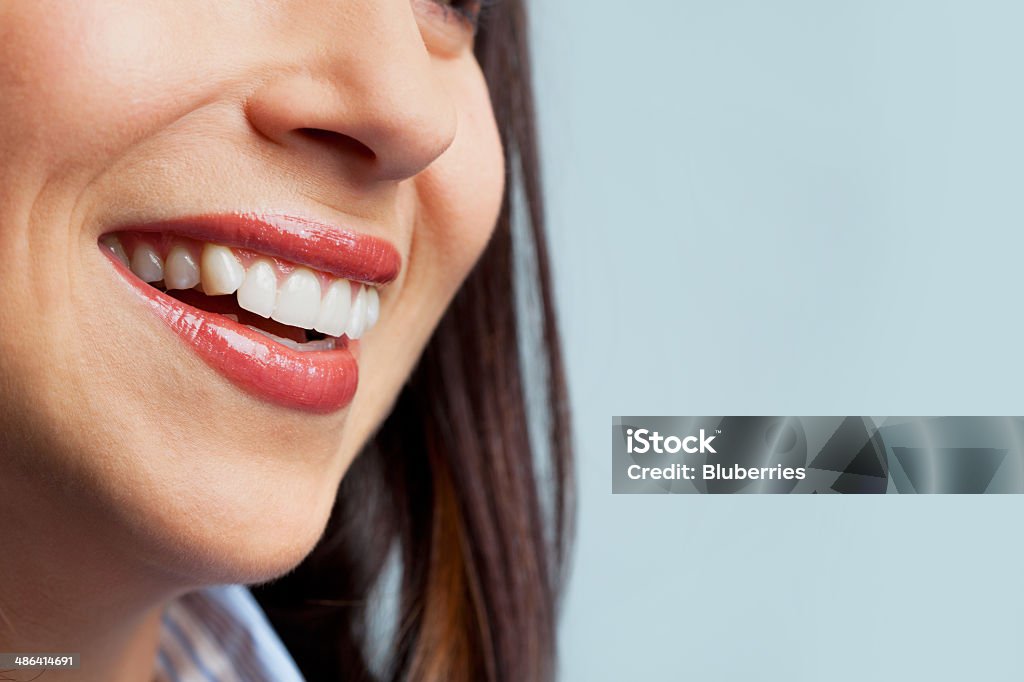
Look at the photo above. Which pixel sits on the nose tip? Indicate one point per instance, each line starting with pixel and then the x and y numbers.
pixel 361 84
pixel 389 128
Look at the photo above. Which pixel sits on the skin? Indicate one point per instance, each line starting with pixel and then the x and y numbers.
pixel 130 472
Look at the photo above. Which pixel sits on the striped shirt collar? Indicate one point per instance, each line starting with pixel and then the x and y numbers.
pixel 220 634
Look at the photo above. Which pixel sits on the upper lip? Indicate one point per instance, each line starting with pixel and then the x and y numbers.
pixel 305 241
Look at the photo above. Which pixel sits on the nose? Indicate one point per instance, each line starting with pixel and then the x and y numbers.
pixel 358 84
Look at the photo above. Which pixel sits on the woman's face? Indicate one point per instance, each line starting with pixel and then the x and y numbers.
pixel 168 166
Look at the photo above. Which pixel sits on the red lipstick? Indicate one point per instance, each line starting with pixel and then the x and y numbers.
pixel 319 381
pixel 332 249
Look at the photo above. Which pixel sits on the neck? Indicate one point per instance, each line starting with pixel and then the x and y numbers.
pixel 122 653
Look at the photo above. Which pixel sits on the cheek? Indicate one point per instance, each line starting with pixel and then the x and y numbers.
pixel 75 50
pixel 454 206
pixel 460 195
pixel 82 81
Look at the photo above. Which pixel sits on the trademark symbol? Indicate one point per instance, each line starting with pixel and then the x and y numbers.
pixel 718 430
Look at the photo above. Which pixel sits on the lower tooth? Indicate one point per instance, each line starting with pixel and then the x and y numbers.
pixel 321 344
pixel 267 334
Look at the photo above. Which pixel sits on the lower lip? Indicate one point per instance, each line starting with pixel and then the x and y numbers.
pixel 315 381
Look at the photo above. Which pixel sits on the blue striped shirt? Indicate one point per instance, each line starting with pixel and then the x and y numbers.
pixel 220 634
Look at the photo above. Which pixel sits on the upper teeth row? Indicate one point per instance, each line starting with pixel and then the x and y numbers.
pixel 299 300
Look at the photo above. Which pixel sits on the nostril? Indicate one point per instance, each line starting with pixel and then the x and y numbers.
pixel 338 141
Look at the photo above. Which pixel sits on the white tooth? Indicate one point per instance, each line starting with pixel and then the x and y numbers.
pixel 221 271
pixel 322 344
pixel 113 244
pixel 146 264
pixel 298 300
pixel 357 317
pixel 372 307
pixel 181 271
pixel 280 339
pixel 308 346
pixel 334 308
pixel 259 290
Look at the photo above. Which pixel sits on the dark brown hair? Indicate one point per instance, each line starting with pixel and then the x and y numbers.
pixel 453 498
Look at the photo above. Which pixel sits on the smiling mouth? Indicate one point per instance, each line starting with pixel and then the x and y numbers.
pixel 301 308
pixel 281 328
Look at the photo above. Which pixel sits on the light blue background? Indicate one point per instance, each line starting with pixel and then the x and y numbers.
pixel 789 207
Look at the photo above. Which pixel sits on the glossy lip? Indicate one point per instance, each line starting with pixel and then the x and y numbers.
pixel 314 381
pixel 303 241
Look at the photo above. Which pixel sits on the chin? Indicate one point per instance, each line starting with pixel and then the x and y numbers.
pixel 206 511
pixel 248 530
